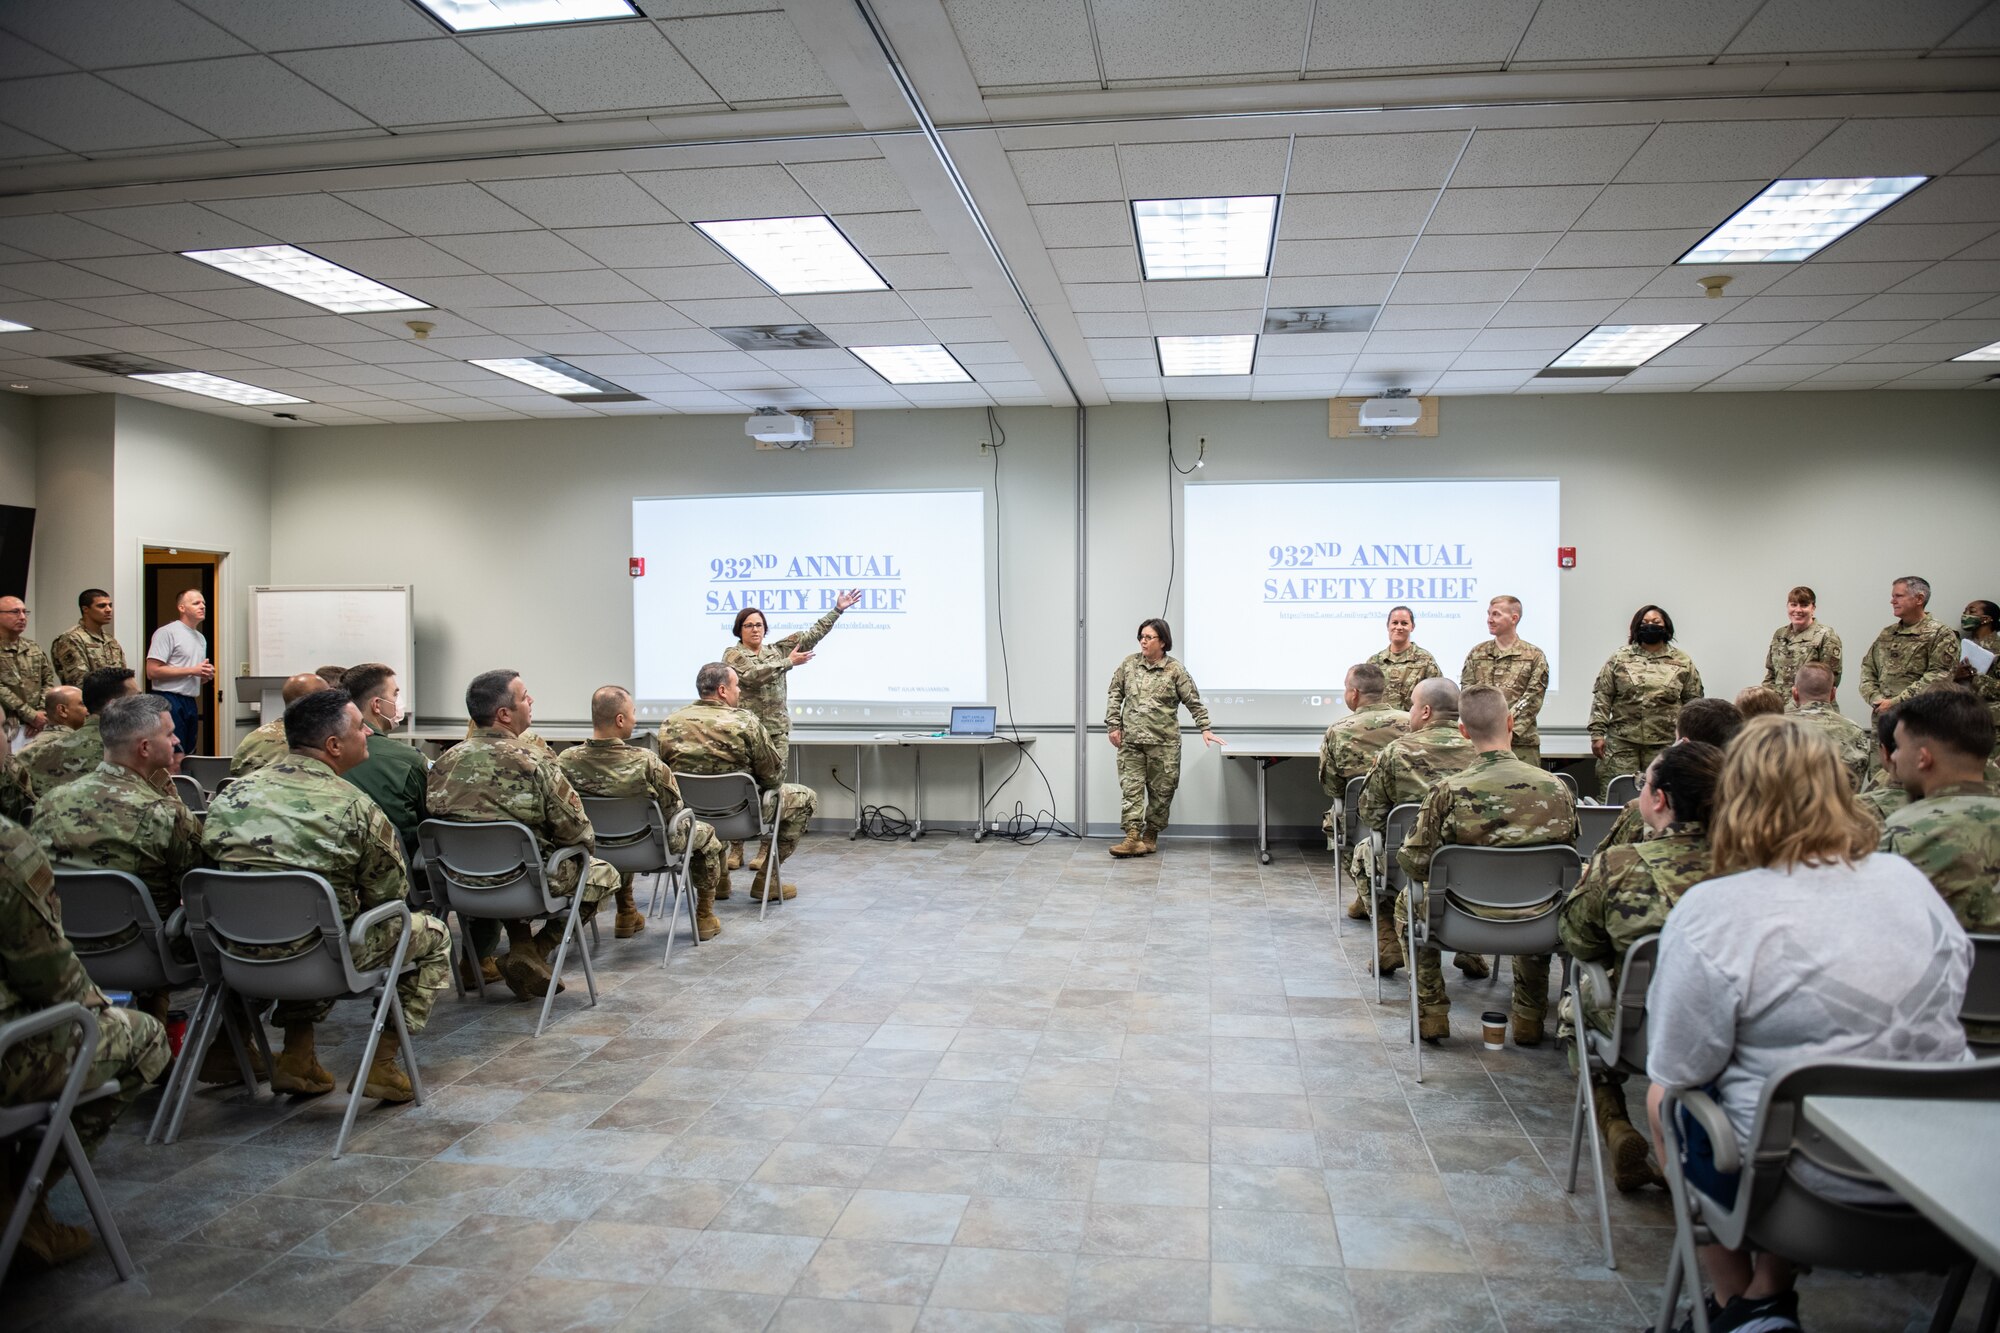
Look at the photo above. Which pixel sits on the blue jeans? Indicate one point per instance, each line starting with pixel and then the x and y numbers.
pixel 1698 1159
pixel 186 713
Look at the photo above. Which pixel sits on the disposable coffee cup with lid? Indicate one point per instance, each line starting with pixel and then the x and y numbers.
pixel 1493 1027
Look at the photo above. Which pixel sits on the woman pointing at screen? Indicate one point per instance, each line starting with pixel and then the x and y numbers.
pixel 761 669
pixel 1142 713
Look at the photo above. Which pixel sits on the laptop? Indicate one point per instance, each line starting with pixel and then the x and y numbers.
pixel 973 720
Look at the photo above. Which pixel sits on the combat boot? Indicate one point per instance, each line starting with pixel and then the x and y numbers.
pixel 218 1065
pixel 298 1068
pixel 757 862
pixel 759 888
pixel 1389 946
pixel 1630 1169
pixel 1358 909
pixel 49 1242
pixel 735 856
pixel 524 969
pixel 1151 842
pixel 488 974
pixel 1134 845
pixel 1472 964
pixel 630 920
pixel 1433 1026
pixel 1527 1031
pixel 722 889
pixel 386 1080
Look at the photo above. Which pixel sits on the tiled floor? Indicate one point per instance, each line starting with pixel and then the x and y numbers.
pixel 951 1087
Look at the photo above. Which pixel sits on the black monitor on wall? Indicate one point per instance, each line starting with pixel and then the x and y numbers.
pixel 17 539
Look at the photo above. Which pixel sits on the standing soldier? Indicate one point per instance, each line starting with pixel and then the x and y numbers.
pixel 1801 639
pixel 89 644
pixel 1349 748
pixel 1636 703
pixel 605 765
pixel 25 675
pixel 1812 697
pixel 1142 719
pixel 1980 625
pixel 1516 668
pixel 297 814
pixel 1402 662
pixel 492 776
pixel 1912 654
pixel 1494 801
pixel 711 736
pixel 53 761
pixel 1408 767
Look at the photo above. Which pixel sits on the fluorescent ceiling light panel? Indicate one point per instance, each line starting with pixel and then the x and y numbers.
pixel 214 386
pixel 796 256
pixel 9 326
pixel 1794 220
pixel 1990 352
pixel 1206 238
pixel 1621 346
pixel 288 269
pixel 1208 354
pixel 919 363
pixel 479 15
pixel 550 376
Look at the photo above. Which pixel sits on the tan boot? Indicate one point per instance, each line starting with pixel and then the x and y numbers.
pixel 735 856
pixel 1134 845
pixel 1358 909
pixel 525 972
pixel 1389 946
pixel 299 1070
pixel 1151 842
pixel 1630 1169
pixel 1527 1031
pixel 706 924
pixel 630 920
pixel 722 889
pixel 756 862
pixel 1433 1027
pixel 386 1080
pixel 218 1065
pixel 488 974
pixel 51 1243
pixel 1472 964
pixel 759 889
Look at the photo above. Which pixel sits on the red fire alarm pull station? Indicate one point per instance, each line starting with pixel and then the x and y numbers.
pixel 638 566
pixel 1565 557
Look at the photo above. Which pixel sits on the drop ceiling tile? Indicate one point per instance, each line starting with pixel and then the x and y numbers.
pixel 959 330
pixel 657 341
pixel 84 114
pixel 1745 280
pixel 58 236
pixel 303 219
pixel 741 310
pixel 1203 168
pixel 751 57
pixel 1566 30
pixel 523 321
pixel 436 82
pixel 1786 26
pixel 1119 325
pixel 581 201
pixel 1669 310
pixel 1338 163
pixel 463 293
pixel 516 252
pixel 1471 315
pixel 1751 335
pixel 1206 294
pixel 1969 327
pixel 1319 385
pixel 1417 34
pixel 1951 199
pixel 1079 226
pixel 1430 340
pixel 176 227
pixel 1939 306
pixel 226 334
pixel 1097 297
pixel 851 308
pixel 1454 253
pixel 317 359
pixel 58 281
pixel 1145 389
pixel 1357 289
pixel 391 261
pixel 626 316
pixel 1510 209
pixel 1584 155
pixel 271 27
pixel 1680 354
pixel 986 354
pixel 878 234
pixel 657 246
pixel 1859 332
pixel 798 362
pixel 100 33
pixel 466 348
pixel 1954 275
pixel 1525 360
pixel 142 309
pixel 1579 284
pixel 434 210
pixel 1067 175
pixel 1361 213
pixel 1735 150
pixel 1703 204
pixel 592 67
pixel 582 286
pixel 240 98
pixel 1612 249
pixel 1901 146
pixel 1821 278
pixel 1909 352
pixel 576 344
pixel 1182 323
pixel 1382 254
pixel 1133 367
pixel 1550 314
pixel 19 59
pixel 1403 363
pixel 705 364
pixel 1025 41
pixel 1818 357
pixel 51 315
pixel 1481 381
pixel 1764 309
pixel 907 273
pixel 1179 39
pixel 712 194
pixel 322 329
pixel 697 282
pixel 1318 353
pixel 851 186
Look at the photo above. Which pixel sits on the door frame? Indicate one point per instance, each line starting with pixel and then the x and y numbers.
pixel 221 642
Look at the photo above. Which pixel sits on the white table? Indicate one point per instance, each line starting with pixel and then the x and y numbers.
pixel 916 742
pixel 1937 1154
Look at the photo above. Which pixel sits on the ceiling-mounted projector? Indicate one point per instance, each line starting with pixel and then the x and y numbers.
pixel 775 427
pixel 1395 412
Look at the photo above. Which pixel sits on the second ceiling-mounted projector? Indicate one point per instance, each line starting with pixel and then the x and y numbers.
pixel 1396 411
pixel 775 427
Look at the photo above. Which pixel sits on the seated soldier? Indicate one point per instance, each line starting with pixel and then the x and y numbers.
pixel 605 765
pixel 712 735
pixel 1406 768
pixel 1624 895
pixel 1350 745
pixel 492 776
pixel 1884 795
pixel 114 818
pixel 64 706
pixel 267 745
pixel 1494 801
pixel 1951 828
pixel 50 763
pixel 1812 697
pixel 39 970
pixel 1710 721
pixel 297 814
pixel 1758 701
pixel 394 772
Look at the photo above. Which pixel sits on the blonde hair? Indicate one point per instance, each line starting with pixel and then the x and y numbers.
pixel 1508 600
pixel 1784 801
pixel 1758 701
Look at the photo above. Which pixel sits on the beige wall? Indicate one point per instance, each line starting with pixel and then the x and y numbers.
pixel 17 478
pixel 73 523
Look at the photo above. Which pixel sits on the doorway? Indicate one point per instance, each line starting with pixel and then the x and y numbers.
pixel 169 572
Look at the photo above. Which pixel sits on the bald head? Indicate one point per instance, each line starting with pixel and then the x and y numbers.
pixel 299 686
pixel 64 705
pixel 1434 700
pixel 1812 684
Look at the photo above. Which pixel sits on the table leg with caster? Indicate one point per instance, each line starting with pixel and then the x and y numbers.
pixel 979 816
pixel 1263 813
pixel 858 806
pixel 917 826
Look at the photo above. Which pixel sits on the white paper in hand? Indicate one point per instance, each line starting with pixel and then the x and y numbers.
pixel 1980 658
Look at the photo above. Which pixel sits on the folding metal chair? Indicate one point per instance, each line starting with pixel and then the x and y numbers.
pixel 1568 780
pixel 1346 809
pixel 1982 998
pixel 50 1122
pixel 1623 788
pixel 1497 879
pixel 1593 825
pixel 1389 879
pixel 1623 1052
pixel 191 793
pixel 634 840
pixel 1776 1212
pixel 731 804
pixel 209 770
pixel 231 910
pixel 494 871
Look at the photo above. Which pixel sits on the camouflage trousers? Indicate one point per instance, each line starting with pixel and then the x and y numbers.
pixel 131 1047
pixel 1621 757
pixel 800 804
pixel 1148 776
pixel 429 956
pixel 600 881
pixel 1530 753
pixel 706 867
pixel 1531 971
pixel 1600 1020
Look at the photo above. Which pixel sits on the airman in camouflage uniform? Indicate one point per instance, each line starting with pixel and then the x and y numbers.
pixel 1913 653
pixel 298 814
pixel 39 970
pixel 1953 836
pixel 1408 767
pixel 63 706
pixel 1494 801
pixel 62 759
pixel 1348 751
pixel 1792 647
pixel 17 798
pixel 1851 740
pixel 761 672
pixel 606 765
pixel 1522 674
pixel 1634 705
pixel 25 673
pixel 89 644
pixel 1142 717
pixel 266 745
pixel 712 736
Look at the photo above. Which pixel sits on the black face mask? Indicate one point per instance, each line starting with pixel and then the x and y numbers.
pixel 1652 634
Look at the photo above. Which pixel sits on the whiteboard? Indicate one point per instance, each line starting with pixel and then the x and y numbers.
pixel 294 629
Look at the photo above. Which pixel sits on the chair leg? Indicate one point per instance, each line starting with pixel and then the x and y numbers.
pixel 238 1039
pixel 686 890
pixel 589 970
pixel 382 1008
pixel 570 936
pixel 260 1030
pixel 772 879
pixel 100 1207
pixel 1685 1267
pixel 1589 1127
pixel 409 1053
pixel 211 1020
pixel 1989 1313
pixel 1410 961
pixel 1576 1118
pixel 1670 1292
pixel 1953 1295
pixel 183 1067
pixel 674 915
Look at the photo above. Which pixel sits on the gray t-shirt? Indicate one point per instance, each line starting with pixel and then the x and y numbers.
pixel 1767 969
pixel 178 646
